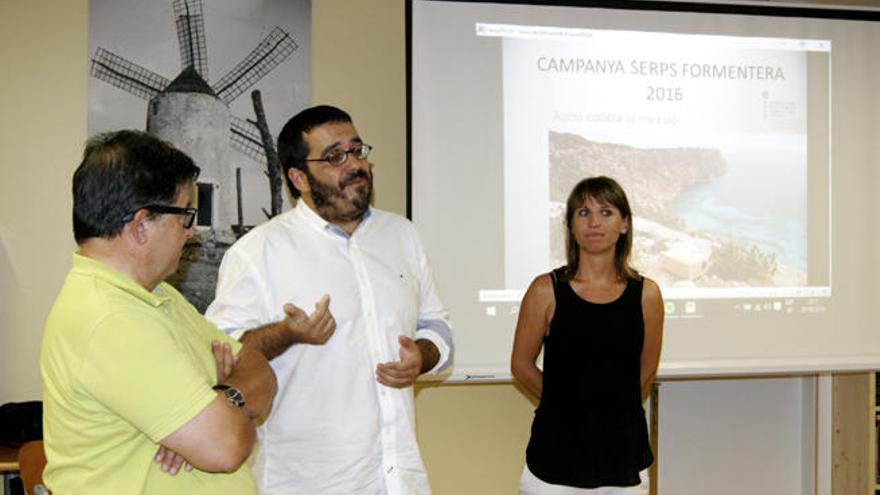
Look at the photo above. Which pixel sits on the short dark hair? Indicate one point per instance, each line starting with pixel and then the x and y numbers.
pixel 292 147
pixel 120 172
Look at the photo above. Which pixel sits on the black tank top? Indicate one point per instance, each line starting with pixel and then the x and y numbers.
pixel 589 428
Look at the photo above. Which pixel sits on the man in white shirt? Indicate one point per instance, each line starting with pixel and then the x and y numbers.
pixel 343 420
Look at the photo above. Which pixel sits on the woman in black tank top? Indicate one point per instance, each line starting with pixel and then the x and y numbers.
pixel 600 325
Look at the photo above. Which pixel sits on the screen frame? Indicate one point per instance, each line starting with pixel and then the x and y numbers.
pixel 695 369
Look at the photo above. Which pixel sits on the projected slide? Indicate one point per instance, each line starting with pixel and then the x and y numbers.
pixel 746 145
pixel 719 142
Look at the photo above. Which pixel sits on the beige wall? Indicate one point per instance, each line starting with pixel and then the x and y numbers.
pixel 43 54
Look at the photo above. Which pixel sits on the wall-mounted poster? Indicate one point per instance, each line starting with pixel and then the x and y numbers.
pixel 218 79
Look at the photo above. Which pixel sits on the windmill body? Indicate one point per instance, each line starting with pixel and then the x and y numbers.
pixel 188 115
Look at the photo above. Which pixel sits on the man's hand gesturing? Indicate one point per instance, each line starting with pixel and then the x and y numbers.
pixel 403 373
pixel 310 329
pixel 295 328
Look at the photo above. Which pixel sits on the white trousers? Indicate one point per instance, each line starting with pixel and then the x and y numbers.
pixel 529 484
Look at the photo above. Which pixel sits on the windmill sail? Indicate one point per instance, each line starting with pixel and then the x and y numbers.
pixel 190 24
pixel 246 138
pixel 126 75
pixel 273 50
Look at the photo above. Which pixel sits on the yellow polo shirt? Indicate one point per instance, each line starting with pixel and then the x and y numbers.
pixel 123 368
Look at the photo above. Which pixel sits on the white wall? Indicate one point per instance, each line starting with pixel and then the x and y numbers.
pixel 735 437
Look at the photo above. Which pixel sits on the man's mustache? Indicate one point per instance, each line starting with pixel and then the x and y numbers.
pixel 354 175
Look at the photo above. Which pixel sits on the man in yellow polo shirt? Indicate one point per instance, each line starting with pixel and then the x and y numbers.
pixel 132 373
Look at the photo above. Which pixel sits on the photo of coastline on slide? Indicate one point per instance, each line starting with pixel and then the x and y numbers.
pixel 694 229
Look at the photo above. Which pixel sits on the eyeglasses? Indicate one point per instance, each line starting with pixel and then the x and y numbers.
pixel 173 210
pixel 338 157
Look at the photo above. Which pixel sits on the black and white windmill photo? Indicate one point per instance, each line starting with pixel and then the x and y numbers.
pixel 227 124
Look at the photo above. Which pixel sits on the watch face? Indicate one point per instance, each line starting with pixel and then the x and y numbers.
pixel 233 395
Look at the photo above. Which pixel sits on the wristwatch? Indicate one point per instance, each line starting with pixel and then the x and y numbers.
pixel 233 395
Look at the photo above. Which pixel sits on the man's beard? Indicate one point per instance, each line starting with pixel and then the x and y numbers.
pixel 332 203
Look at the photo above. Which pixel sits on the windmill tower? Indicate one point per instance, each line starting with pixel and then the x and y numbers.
pixel 194 115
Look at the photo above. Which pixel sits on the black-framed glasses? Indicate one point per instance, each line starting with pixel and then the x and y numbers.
pixel 188 220
pixel 338 157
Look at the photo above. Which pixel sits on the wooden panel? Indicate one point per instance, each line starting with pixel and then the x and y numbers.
pixel 852 435
pixel 872 444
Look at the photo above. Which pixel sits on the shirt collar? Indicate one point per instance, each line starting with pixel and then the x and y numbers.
pixel 90 267
pixel 312 217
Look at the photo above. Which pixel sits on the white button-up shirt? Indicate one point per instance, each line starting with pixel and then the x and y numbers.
pixel 333 428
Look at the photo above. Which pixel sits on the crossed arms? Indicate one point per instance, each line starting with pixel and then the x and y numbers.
pixel 220 437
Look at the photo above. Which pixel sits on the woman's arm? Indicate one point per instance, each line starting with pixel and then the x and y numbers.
pixel 652 308
pixel 534 319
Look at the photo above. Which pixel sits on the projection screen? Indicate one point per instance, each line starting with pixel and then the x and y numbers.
pixel 746 138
